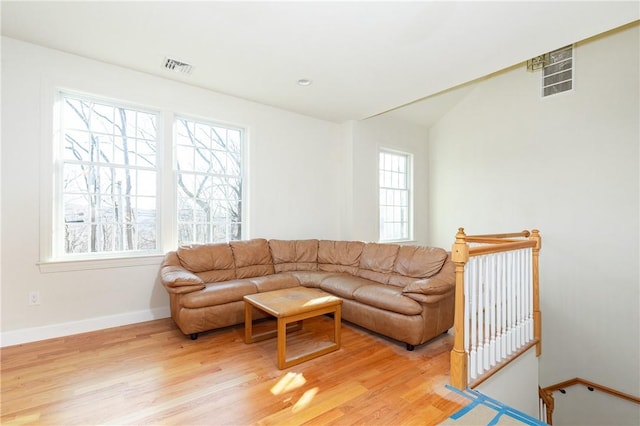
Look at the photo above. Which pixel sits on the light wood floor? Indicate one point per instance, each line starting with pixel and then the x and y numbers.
pixel 150 373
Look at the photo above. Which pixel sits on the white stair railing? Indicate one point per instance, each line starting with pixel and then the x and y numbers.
pixel 497 310
pixel 499 307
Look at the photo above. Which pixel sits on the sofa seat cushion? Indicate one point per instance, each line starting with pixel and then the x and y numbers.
pixel 219 294
pixel 343 285
pixel 389 298
pixel 310 278
pixel 274 282
pixel 216 276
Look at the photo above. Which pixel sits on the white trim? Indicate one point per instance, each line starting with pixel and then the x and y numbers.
pixel 167 215
pixel 104 263
pixel 48 134
pixel 27 335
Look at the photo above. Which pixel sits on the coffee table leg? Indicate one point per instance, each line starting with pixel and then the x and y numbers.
pixel 282 343
pixel 248 323
pixel 337 320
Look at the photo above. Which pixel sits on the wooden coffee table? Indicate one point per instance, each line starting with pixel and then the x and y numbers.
pixel 288 306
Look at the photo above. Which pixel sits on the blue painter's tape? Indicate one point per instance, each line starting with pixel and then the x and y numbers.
pixel 501 409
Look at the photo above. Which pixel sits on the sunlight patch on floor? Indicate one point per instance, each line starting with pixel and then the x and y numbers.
pixel 304 400
pixel 288 382
pixel 24 420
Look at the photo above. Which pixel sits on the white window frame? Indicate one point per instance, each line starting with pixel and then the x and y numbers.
pixel 57 251
pixel 241 174
pixel 50 177
pixel 409 196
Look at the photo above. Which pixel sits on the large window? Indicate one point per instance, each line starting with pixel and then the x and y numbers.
pixel 209 179
pixel 395 196
pixel 115 194
pixel 108 188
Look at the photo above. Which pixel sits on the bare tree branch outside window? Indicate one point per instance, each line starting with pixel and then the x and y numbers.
pixel 109 177
pixel 209 182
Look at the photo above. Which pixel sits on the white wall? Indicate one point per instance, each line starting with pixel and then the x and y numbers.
pixel 581 407
pixel 504 160
pixel 365 138
pixel 292 185
pixel 516 385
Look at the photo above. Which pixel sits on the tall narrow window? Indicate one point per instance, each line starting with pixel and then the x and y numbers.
pixel 395 196
pixel 108 182
pixel 209 182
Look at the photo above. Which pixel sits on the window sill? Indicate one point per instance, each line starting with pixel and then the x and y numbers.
pixel 48 267
pixel 410 242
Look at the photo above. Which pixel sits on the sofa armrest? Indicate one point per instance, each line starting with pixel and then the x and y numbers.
pixel 430 298
pixel 176 276
pixel 177 279
pixel 429 286
pixel 184 289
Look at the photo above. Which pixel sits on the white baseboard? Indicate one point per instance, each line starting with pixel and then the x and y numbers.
pixel 26 335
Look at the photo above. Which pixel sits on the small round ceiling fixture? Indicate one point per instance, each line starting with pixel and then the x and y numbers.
pixel 304 82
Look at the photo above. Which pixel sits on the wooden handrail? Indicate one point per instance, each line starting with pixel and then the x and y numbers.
pixel 492 240
pixel 587 383
pixel 524 234
pixel 477 251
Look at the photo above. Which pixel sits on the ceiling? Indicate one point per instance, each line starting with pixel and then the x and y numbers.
pixel 364 58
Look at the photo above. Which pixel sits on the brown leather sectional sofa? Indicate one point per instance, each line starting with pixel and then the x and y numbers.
pixel 401 291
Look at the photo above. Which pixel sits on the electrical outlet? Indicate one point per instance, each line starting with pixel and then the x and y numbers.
pixel 34 297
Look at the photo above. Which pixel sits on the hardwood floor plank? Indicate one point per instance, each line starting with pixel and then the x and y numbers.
pixel 150 373
pixel 313 403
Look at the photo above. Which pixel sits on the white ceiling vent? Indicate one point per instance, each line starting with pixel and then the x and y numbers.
pixel 177 66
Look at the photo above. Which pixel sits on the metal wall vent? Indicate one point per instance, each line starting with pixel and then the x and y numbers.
pixel 557 74
pixel 177 66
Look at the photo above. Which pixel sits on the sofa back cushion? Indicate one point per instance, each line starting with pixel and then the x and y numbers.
pixel 294 255
pixel 416 262
pixel 211 262
pixel 377 260
pixel 339 256
pixel 252 258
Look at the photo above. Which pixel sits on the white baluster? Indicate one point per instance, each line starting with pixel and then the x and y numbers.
pixel 467 307
pixel 519 293
pixel 493 278
pixel 512 304
pixel 500 278
pixel 473 294
pixel 529 263
pixel 480 301
pixel 487 312
pixel 503 307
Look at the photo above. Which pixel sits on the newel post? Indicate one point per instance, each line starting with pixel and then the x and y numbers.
pixel 459 256
pixel 537 315
pixel 549 403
